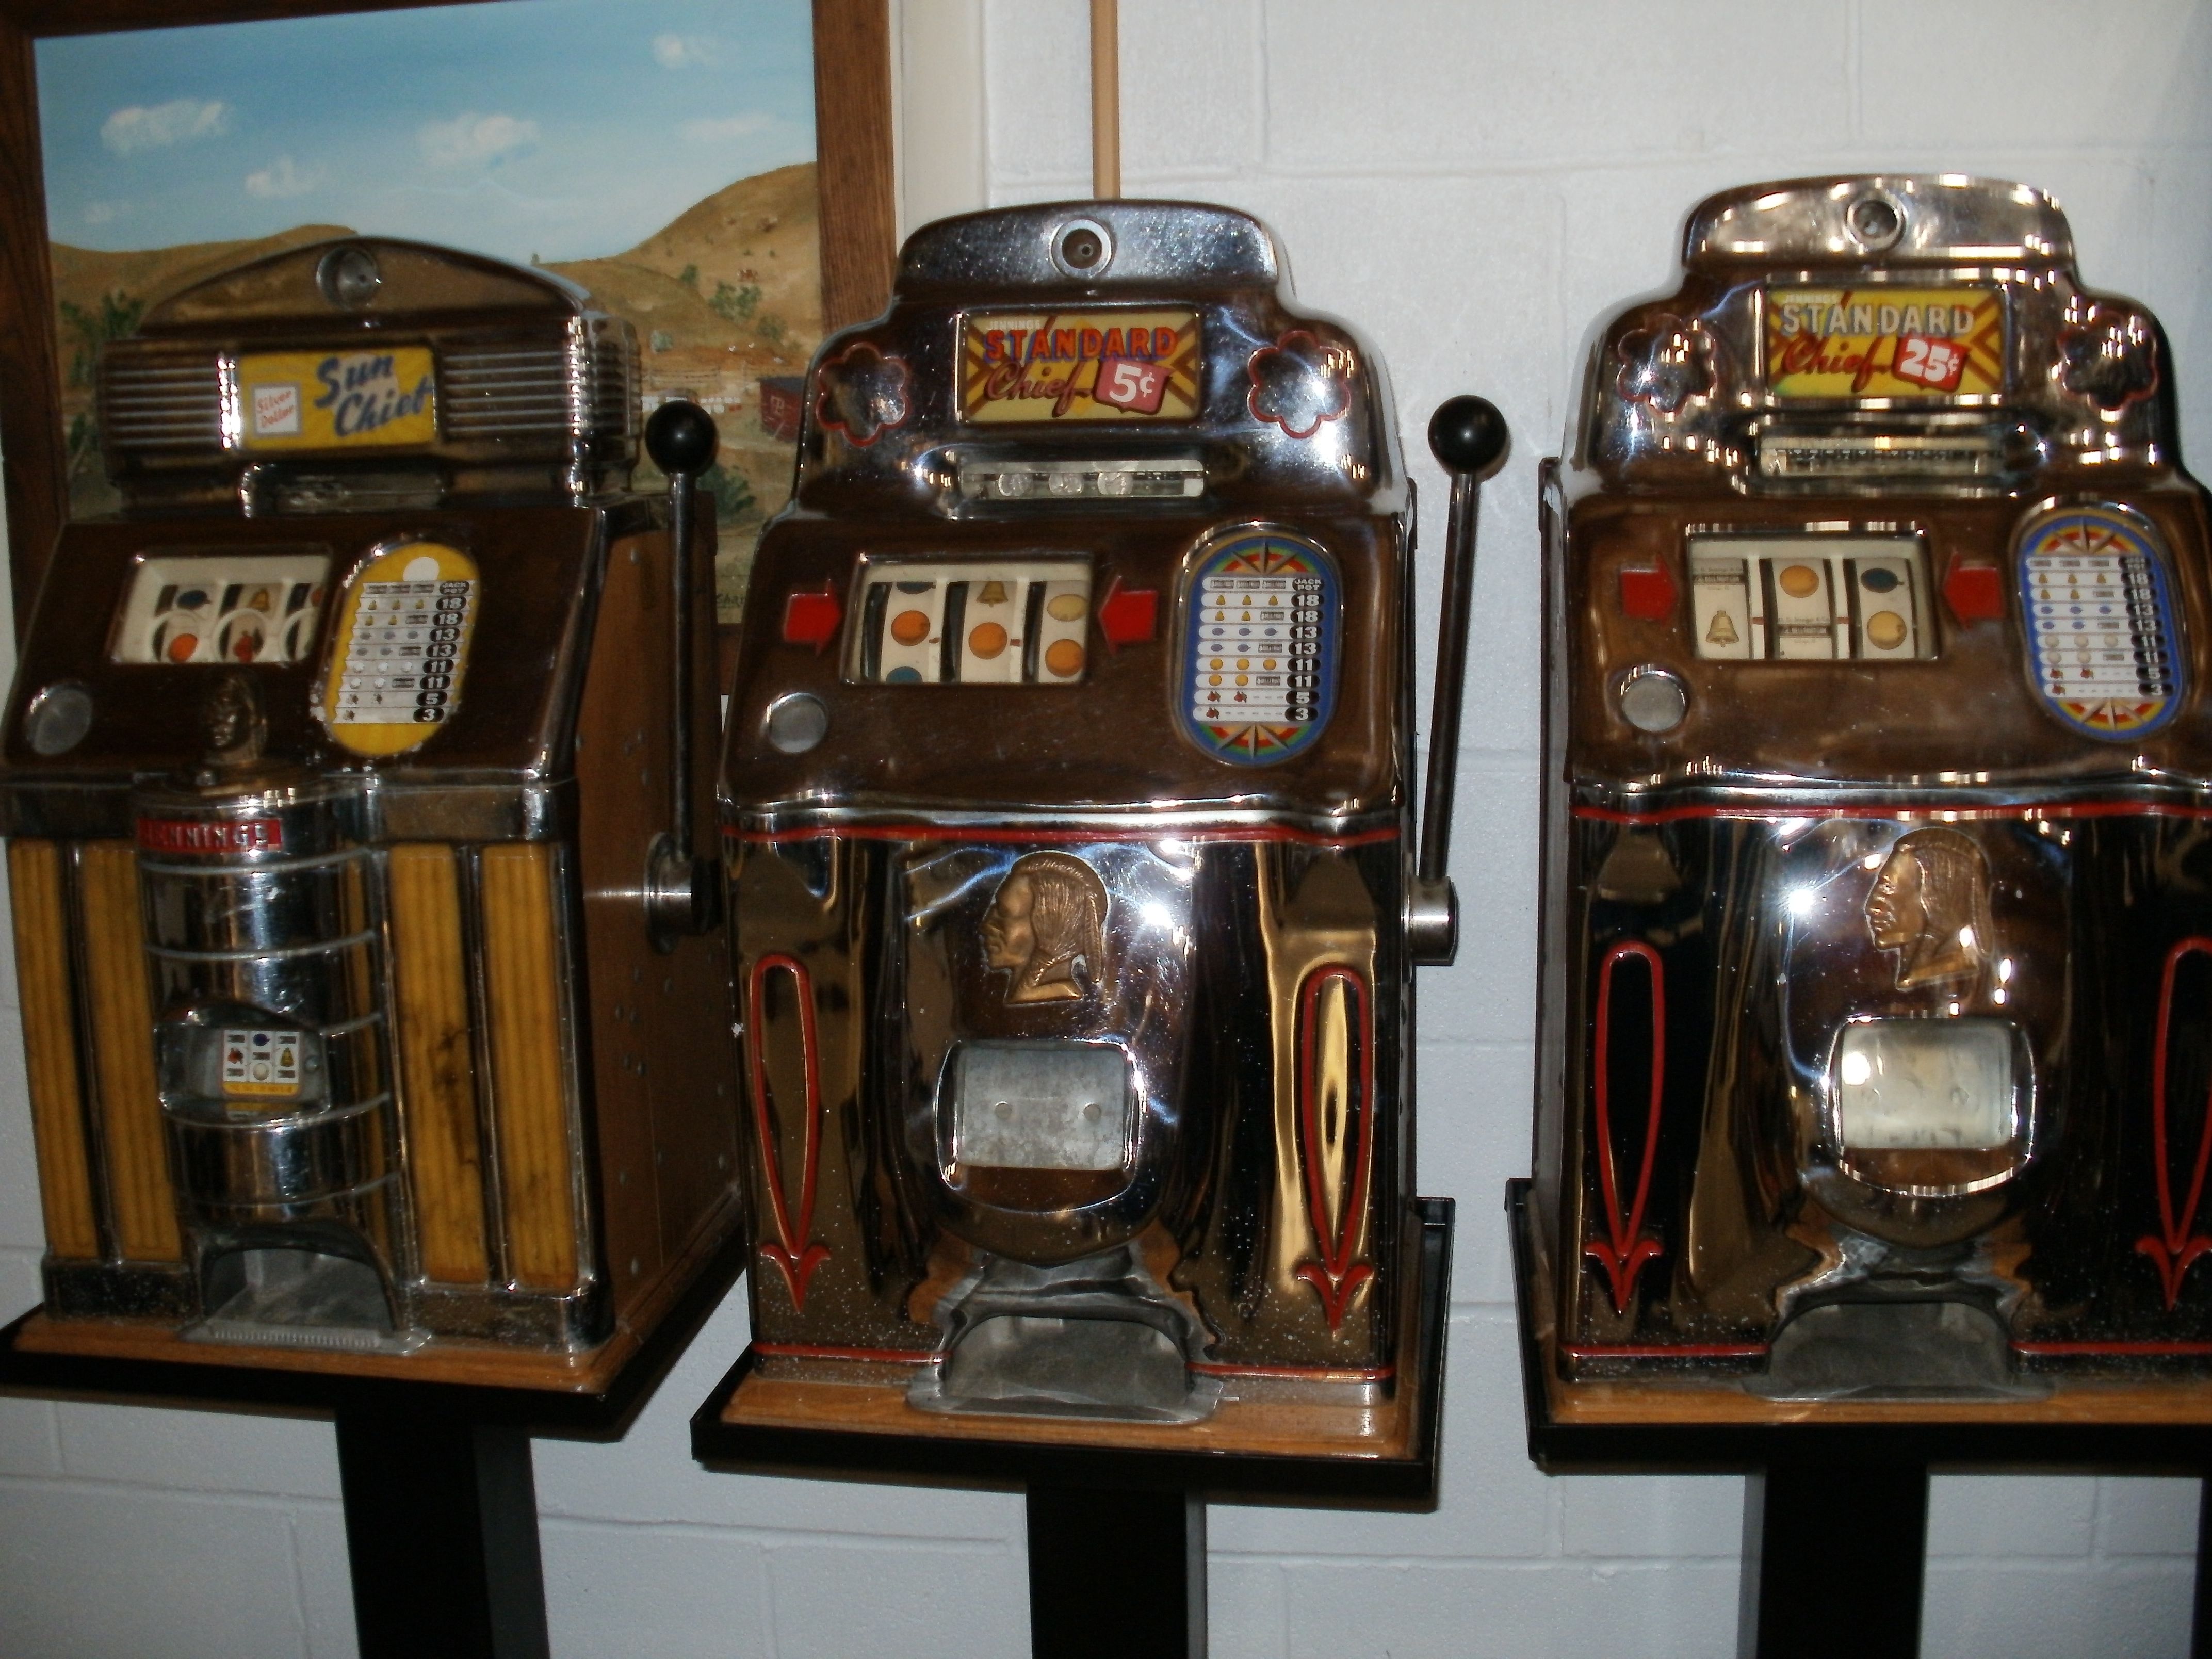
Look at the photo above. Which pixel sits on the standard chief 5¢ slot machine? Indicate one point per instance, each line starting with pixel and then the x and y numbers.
pixel 1067 805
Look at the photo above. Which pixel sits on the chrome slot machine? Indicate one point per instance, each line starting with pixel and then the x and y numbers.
pixel 373 1012
pixel 1066 802
pixel 1877 1007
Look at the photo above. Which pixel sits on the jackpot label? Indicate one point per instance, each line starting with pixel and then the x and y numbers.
pixel 1080 365
pixel 260 1064
pixel 336 399
pixel 2103 649
pixel 402 648
pixel 1884 342
pixel 1260 648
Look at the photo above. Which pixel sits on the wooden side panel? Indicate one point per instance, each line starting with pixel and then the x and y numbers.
pixel 437 1072
pixel 42 972
pixel 529 1084
pixel 143 1203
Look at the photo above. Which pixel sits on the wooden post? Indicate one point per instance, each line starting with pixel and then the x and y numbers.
pixel 1105 99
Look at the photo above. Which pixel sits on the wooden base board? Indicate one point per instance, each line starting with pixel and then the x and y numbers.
pixel 2179 1402
pixel 443 1360
pixel 1238 1427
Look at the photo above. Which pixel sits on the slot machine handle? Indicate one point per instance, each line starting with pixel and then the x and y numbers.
pixel 1467 436
pixel 683 890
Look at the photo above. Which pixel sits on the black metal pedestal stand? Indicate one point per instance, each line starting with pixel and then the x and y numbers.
pixel 1836 1513
pixel 440 1506
pixel 1117 1534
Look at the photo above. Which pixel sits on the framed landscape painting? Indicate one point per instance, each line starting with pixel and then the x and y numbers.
pixel 666 155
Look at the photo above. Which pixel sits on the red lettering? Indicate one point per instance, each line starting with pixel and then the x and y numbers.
pixel 1113 348
pixel 995 346
pixel 1092 339
pixel 1063 344
pixel 1164 342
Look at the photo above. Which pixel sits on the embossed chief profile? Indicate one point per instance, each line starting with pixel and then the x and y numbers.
pixel 1930 905
pixel 1046 929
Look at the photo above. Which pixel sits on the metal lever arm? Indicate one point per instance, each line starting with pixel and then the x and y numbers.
pixel 683 890
pixel 1467 436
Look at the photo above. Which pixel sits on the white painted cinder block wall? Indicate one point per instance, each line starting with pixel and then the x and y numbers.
pixel 1472 184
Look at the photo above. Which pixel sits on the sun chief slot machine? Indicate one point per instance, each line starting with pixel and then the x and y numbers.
pixel 373 1008
pixel 1877 1005
pixel 1065 799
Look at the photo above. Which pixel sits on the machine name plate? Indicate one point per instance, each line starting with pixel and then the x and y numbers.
pixel 1080 365
pixel 1913 344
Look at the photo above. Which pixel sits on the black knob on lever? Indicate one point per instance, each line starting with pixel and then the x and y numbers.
pixel 1466 435
pixel 680 436
pixel 1469 437
pixel 683 890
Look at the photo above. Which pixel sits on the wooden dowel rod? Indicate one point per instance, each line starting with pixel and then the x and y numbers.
pixel 1105 99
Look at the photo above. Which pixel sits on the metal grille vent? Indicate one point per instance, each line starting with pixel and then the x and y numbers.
pixel 162 403
pixel 580 386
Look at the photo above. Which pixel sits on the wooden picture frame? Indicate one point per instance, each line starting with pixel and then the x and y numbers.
pixel 852 154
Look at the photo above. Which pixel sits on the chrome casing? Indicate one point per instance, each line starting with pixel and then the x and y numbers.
pixel 893 857
pixel 1868 855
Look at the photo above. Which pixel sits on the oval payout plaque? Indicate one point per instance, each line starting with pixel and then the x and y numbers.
pixel 402 650
pixel 2104 646
pixel 1259 647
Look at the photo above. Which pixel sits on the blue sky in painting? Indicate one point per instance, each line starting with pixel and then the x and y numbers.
pixel 568 129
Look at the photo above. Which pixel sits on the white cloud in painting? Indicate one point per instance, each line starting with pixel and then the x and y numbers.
pixel 153 127
pixel 680 51
pixel 721 128
pixel 99 213
pixel 471 138
pixel 283 178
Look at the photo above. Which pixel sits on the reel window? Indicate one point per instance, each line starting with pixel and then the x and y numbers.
pixel 1805 597
pixel 231 607
pixel 972 622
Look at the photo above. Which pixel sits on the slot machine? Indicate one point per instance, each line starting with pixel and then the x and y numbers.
pixel 375 1008
pixel 1067 803
pixel 1878 916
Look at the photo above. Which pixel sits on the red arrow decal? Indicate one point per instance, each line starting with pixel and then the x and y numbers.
pixel 1648 594
pixel 1129 616
pixel 813 618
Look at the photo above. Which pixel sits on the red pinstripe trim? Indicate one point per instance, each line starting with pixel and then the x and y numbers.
pixel 1964 813
pixel 2056 1349
pixel 994 833
pixel 804 1351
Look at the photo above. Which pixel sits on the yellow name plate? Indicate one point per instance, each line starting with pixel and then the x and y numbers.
pixel 1884 342
pixel 1080 365
pixel 338 399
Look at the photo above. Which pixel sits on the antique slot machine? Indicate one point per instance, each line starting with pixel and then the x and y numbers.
pixel 374 1004
pixel 1878 923
pixel 1067 803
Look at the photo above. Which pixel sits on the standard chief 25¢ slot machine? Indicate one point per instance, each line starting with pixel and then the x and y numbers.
pixel 1878 923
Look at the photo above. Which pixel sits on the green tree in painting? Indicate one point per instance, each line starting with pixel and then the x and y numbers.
pixel 116 316
pixel 735 303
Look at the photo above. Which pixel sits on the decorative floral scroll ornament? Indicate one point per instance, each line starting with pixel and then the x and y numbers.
pixel 1667 364
pixel 2177 1243
pixel 794 1252
pixel 1623 1254
pixel 862 393
pixel 2109 357
pixel 1298 383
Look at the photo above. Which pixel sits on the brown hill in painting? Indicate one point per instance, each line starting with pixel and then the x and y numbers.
pixel 726 294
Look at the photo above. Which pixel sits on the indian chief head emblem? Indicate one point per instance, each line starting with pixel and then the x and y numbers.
pixel 1930 905
pixel 1046 928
